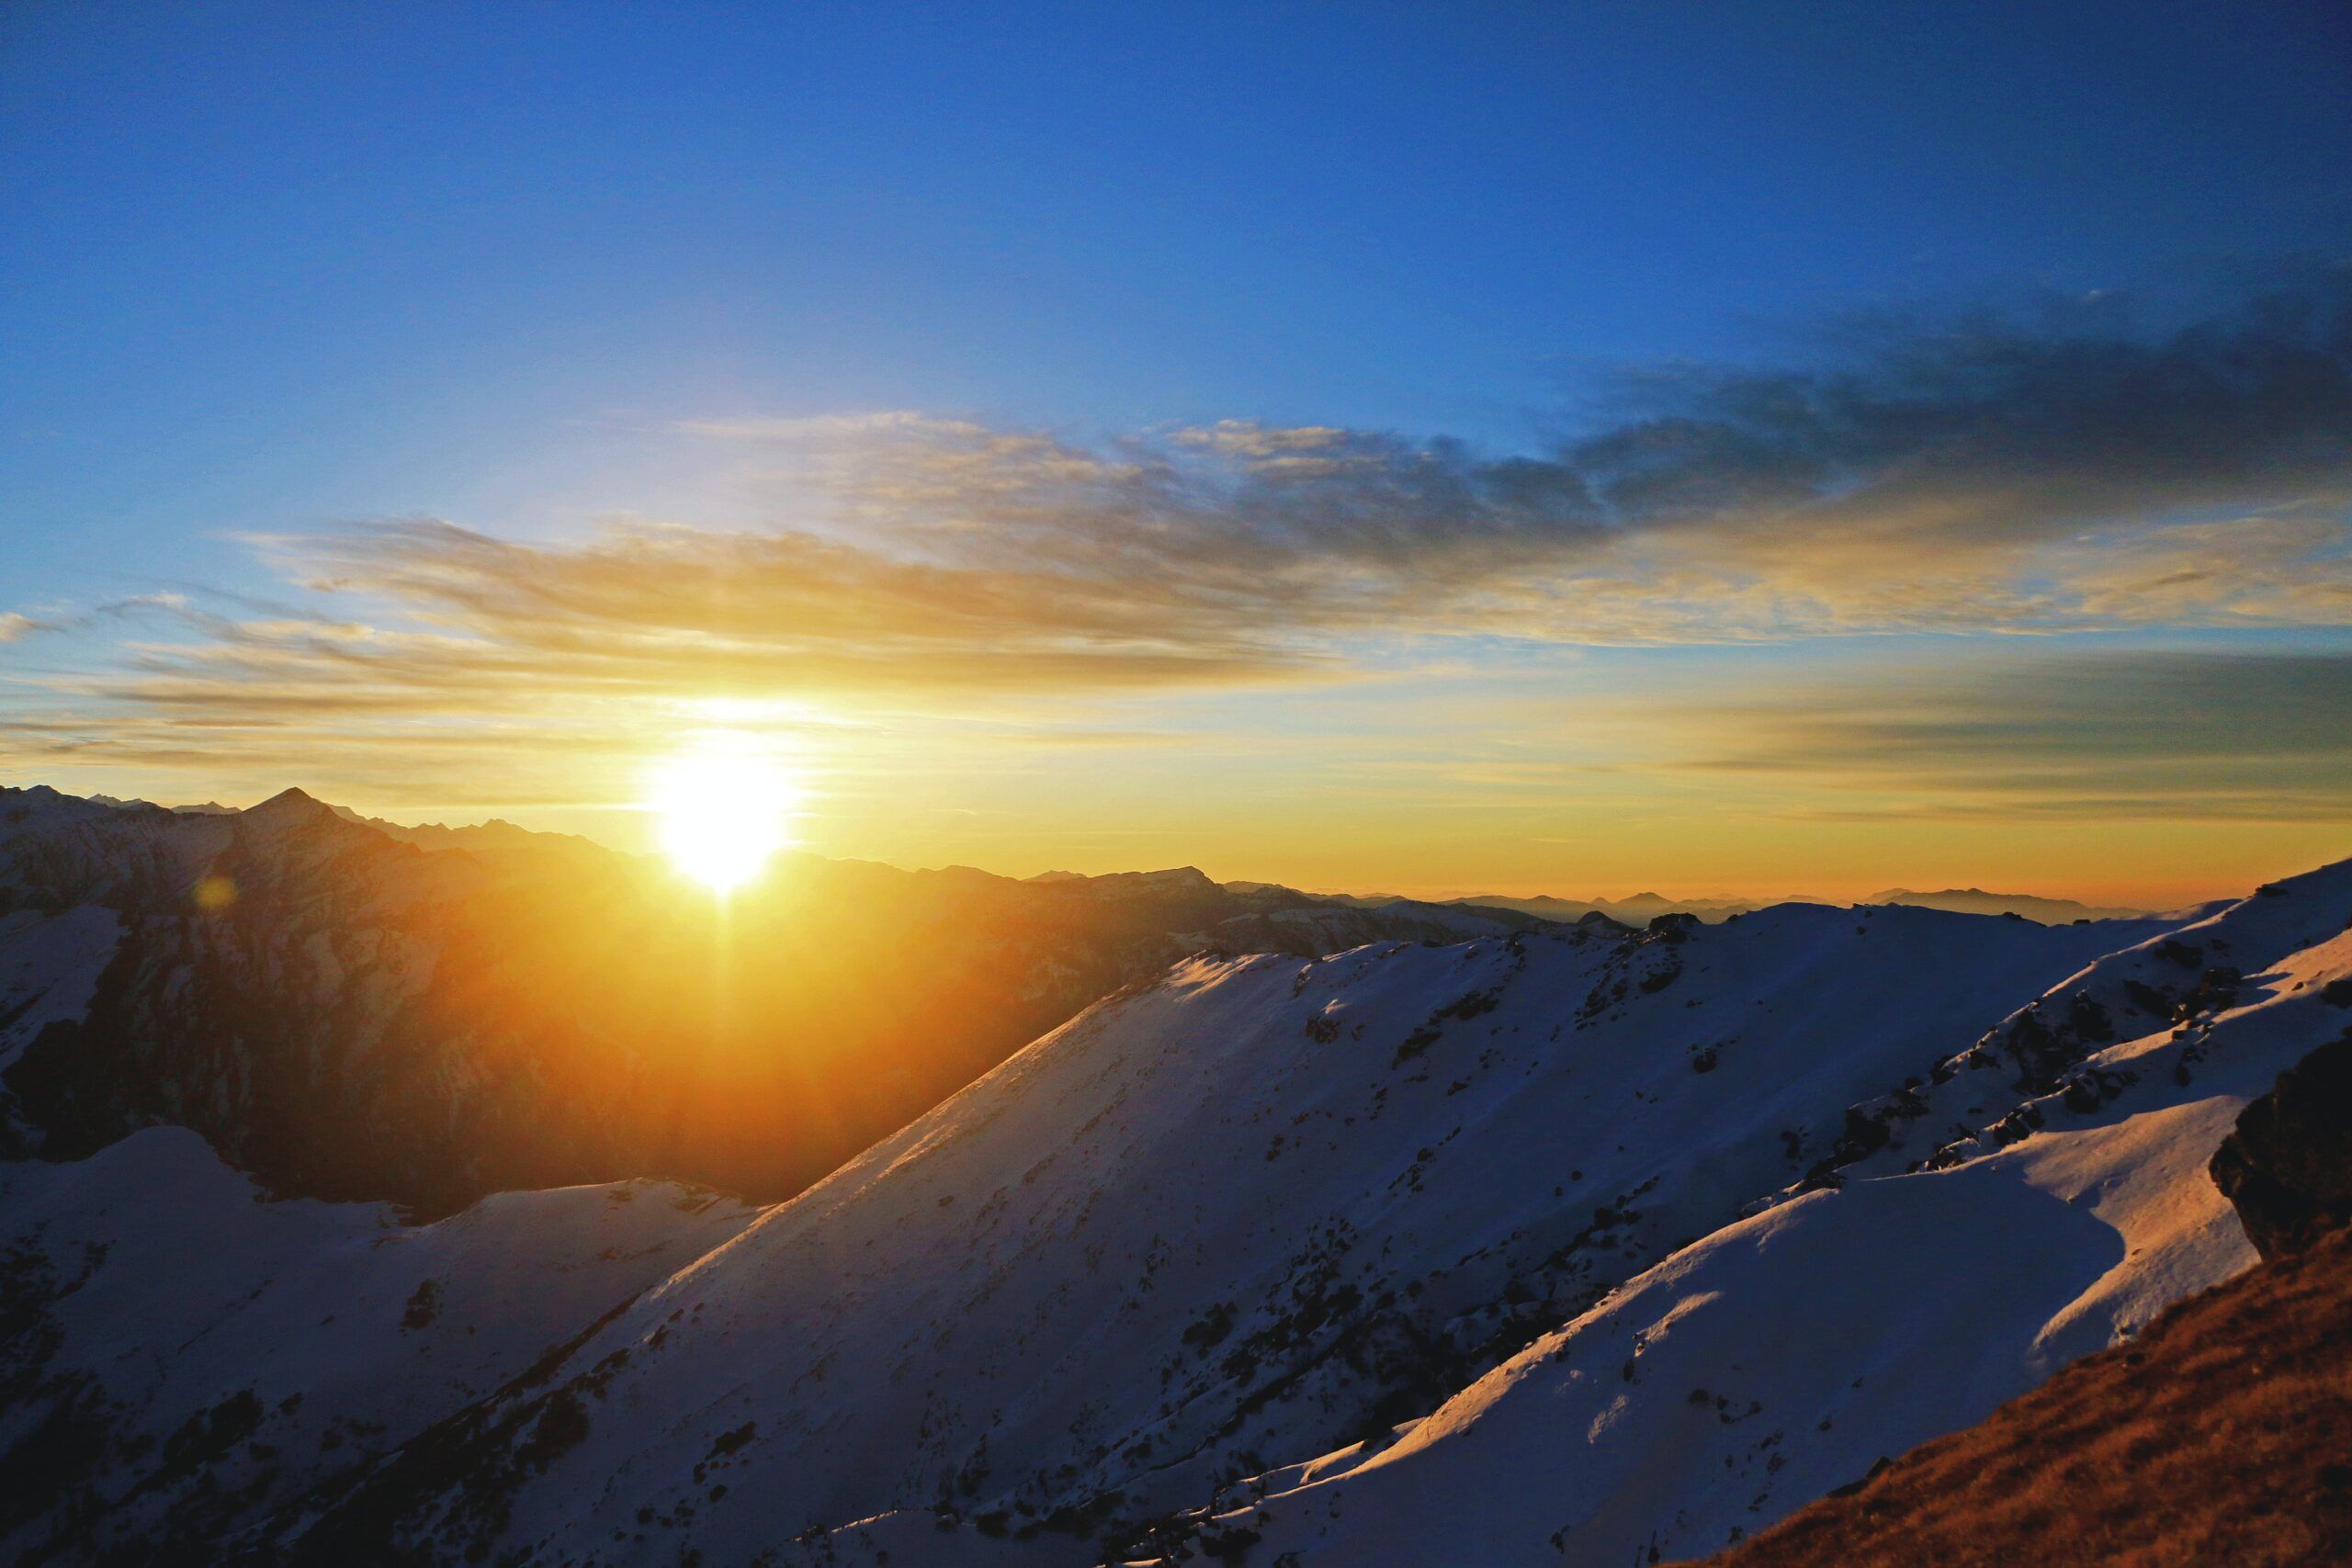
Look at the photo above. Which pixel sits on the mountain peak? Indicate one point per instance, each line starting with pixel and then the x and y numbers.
pixel 1173 879
pixel 288 808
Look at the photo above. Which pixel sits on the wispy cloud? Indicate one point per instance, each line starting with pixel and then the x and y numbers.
pixel 2184 735
pixel 1953 475
pixel 1940 474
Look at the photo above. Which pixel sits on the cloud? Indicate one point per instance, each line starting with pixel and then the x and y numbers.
pixel 15 626
pixel 1945 476
pixel 1928 475
pixel 2182 735
pixel 1953 475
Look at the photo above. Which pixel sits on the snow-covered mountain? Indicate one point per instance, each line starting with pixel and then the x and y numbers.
pixel 1898 1298
pixel 503 1008
pixel 1259 1209
pixel 181 1359
pixel 2217 1435
pixel 1568 1243
pixel 1264 1208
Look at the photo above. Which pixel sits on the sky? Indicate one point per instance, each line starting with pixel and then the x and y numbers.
pixel 1571 448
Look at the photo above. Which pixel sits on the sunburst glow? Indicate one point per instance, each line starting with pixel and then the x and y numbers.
pixel 725 807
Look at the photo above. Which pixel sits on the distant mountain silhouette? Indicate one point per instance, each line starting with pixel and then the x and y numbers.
pixel 1976 901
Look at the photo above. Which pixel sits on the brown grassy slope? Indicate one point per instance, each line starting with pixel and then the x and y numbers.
pixel 2222 1435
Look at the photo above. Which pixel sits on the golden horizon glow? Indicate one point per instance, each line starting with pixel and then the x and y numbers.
pixel 725 806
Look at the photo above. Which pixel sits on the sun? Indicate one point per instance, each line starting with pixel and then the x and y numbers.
pixel 724 805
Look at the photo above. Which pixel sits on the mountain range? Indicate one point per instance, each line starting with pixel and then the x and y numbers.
pixel 503 1008
pixel 1640 908
pixel 340 1224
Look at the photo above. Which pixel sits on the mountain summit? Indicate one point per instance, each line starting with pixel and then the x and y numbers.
pixel 288 808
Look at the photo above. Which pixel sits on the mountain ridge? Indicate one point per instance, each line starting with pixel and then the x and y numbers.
pixel 1635 909
pixel 1617 978
pixel 2215 1437
pixel 436 984
pixel 1583 1240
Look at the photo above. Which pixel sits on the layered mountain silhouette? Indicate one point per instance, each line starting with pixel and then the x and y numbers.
pixel 1640 908
pixel 1517 1242
pixel 501 1009
pixel 1976 901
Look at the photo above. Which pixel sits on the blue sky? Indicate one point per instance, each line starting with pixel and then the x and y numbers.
pixel 280 263
pixel 276 268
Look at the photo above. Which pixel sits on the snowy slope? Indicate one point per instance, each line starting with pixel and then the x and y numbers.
pixel 182 1358
pixel 504 1008
pixel 1243 1215
pixel 1565 1244
pixel 1783 1354
pixel 48 967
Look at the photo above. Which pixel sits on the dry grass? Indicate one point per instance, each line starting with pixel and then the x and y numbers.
pixel 2223 1435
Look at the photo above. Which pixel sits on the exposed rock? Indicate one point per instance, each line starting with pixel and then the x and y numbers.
pixel 2287 1167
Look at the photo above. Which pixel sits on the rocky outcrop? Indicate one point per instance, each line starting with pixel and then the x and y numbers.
pixel 2287 1167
